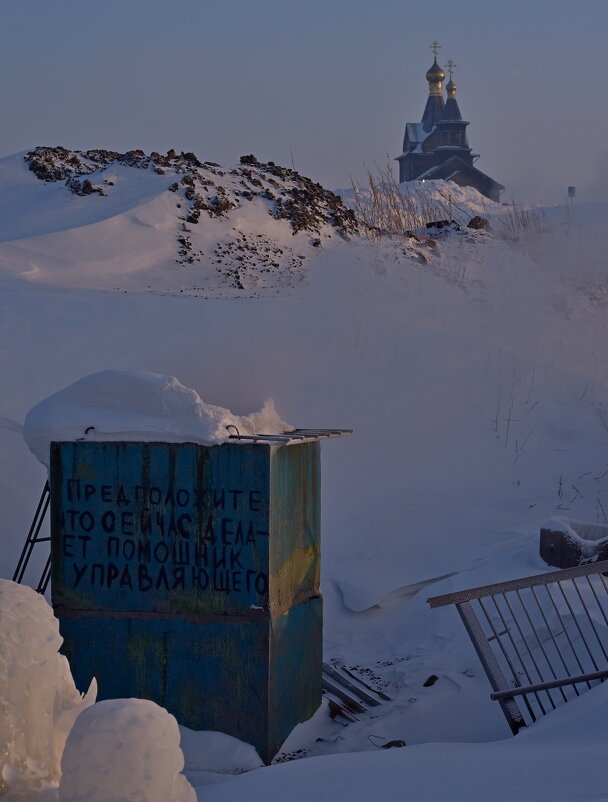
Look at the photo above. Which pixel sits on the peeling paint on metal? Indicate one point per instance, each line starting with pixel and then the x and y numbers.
pixel 190 575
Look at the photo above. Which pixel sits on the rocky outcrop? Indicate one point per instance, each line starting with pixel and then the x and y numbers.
pixel 204 186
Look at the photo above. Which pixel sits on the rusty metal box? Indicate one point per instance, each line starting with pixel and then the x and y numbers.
pixel 189 575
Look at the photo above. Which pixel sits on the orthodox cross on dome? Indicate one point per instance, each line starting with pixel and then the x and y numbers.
pixel 437 146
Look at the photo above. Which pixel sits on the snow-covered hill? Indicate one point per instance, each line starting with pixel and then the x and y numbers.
pixel 472 368
pixel 106 220
pixel 135 222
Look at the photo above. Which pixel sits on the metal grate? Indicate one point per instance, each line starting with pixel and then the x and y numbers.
pixel 542 639
pixel 292 436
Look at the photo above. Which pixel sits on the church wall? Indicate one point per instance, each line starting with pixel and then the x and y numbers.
pixel 414 164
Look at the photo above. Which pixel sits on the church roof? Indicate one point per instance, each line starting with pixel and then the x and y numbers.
pixel 433 111
pixel 452 167
pixel 452 111
pixel 435 73
pixel 442 120
pixel 416 134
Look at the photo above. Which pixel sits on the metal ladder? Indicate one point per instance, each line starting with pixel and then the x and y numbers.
pixel 32 539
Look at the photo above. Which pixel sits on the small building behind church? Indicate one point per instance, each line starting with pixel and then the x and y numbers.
pixel 438 147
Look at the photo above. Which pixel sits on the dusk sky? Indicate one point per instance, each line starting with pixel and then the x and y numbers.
pixel 329 83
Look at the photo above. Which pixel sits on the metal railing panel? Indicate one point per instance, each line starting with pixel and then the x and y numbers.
pixel 542 639
pixel 491 666
pixel 515 584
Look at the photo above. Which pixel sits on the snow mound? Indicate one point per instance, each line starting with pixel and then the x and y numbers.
pixel 415 210
pixel 137 406
pixel 305 204
pixel 153 223
pixel 429 200
pixel 560 758
pixel 466 201
pixel 38 699
pixel 208 750
pixel 124 750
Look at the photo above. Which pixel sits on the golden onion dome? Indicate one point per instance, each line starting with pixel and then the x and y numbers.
pixel 435 74
pixel 451 88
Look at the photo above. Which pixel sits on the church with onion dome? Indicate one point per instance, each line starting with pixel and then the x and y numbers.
pixel 437 147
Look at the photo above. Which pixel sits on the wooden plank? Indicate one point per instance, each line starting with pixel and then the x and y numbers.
pixel 381 694
pixel 350 686
pixel 351 704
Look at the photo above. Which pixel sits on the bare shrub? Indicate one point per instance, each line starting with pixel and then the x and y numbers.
pixel 387 208
pixel 518 221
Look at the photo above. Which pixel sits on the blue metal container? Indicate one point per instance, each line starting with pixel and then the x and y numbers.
pixel 189 575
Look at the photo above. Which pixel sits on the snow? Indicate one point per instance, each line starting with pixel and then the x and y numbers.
pixel 559 759
pixel 140 235
pixel 476 384
pixel 441 198
pixel 38 699
pixel 210 755
pixel 137 406
pixel 124 750
pixel 58 746
pixel 416 132
pixel 467 201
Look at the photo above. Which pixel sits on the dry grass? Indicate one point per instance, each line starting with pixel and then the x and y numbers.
pixel 386 208
pixel 517 221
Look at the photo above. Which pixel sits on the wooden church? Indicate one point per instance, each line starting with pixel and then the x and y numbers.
pixel 437 147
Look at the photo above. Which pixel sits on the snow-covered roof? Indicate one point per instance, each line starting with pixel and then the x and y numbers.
pixel 415 135
pixel 427 173
pixel 460 167
pixel 416 132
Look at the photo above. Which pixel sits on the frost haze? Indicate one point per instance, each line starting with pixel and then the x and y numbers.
pixel 476 381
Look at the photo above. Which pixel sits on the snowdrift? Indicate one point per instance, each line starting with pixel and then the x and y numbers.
pixel 105 220
pixel 58 746
pixel 38 699
pixel 137 406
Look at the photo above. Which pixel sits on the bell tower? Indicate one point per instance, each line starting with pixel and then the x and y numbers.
pixel 434 109
pixel 451 128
